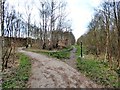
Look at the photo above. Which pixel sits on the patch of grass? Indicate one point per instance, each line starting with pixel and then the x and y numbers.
pixel 79 50
pixel 20 75
pixel 61 54
pixel 97 71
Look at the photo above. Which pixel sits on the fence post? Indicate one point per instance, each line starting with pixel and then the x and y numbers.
pixel 81 50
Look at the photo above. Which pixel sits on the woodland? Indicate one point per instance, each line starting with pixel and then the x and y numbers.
pixel 97 52
pixel 53 31
pixel 103 37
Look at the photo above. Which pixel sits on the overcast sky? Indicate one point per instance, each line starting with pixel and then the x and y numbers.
pixel 80 13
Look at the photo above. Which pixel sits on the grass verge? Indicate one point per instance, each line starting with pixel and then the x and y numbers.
pixel 19 75
pixel 97 71
pixel 61 54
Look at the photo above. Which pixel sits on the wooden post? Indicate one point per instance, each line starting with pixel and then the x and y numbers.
pixel 81 50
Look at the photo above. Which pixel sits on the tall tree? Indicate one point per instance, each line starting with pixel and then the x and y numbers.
pixel 28 8
pixel 106 8
pixel 0 36
pixel 116 9
pixel 2 30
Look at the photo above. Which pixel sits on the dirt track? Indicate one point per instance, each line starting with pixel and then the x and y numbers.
pixel 52 73
pixel 72 60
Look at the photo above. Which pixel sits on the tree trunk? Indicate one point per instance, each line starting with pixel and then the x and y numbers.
pixel 2 32
pixel 117 23
pixel 108 44
pixel 0 36
pixel 119 39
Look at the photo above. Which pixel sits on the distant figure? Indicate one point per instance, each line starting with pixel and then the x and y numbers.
pixel 27 46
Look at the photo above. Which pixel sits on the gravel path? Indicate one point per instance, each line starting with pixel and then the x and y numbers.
pixel 52 73
pixel 72 61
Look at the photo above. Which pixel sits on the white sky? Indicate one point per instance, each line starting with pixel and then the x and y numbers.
pixel 80 12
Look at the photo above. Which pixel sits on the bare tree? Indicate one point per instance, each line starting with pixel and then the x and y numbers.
pixel 2 31
pixel 116 9
pixel 10 31
pixel 28 21
pixel 0 36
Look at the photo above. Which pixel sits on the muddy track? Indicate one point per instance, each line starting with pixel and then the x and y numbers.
pixel 52 73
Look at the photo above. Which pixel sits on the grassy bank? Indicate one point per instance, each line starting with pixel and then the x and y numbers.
pixel 19 76
pixel 60 54
pixel 97 71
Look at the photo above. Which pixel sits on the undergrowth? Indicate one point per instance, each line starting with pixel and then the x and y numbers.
pixel 19 76
pixel 97 71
